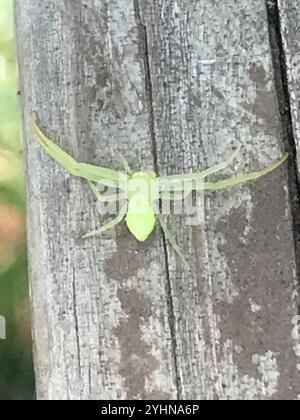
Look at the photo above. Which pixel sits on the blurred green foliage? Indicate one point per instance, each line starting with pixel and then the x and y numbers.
pixel 16 371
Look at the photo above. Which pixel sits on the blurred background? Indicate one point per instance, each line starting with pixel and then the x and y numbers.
pixel 16 371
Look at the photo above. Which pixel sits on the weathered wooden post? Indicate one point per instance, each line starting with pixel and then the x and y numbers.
pixel 169 84
pixel 289 18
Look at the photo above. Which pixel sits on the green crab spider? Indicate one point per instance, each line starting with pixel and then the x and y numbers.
pixel 139 207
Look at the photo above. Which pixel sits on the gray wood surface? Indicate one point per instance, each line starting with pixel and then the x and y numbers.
pixel 290 23
pixel 171 84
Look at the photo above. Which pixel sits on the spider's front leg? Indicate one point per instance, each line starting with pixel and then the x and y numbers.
pixel 179 182
pixel 240 179
pixel 174 182
pixel 93 173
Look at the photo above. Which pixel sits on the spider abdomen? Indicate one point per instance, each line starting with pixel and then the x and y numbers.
pixel 140 217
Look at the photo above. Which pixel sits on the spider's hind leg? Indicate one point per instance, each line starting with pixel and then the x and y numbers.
pixel 114 222
pixel 170 237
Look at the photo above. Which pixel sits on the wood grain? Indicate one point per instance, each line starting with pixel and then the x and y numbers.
pixel 173 85
pixel 289 14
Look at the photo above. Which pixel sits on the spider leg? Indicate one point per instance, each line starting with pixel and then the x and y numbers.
pixel 108 225
pixel 94 173
pixel 240 179
pixel 125 165
pixel 175 182
pixel 107 198
pixel 225 183
pixel 170 237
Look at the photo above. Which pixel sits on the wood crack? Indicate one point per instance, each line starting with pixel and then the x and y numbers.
pixel 144 50
pixel 76 323
pixel 282 90
pixel 143 46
